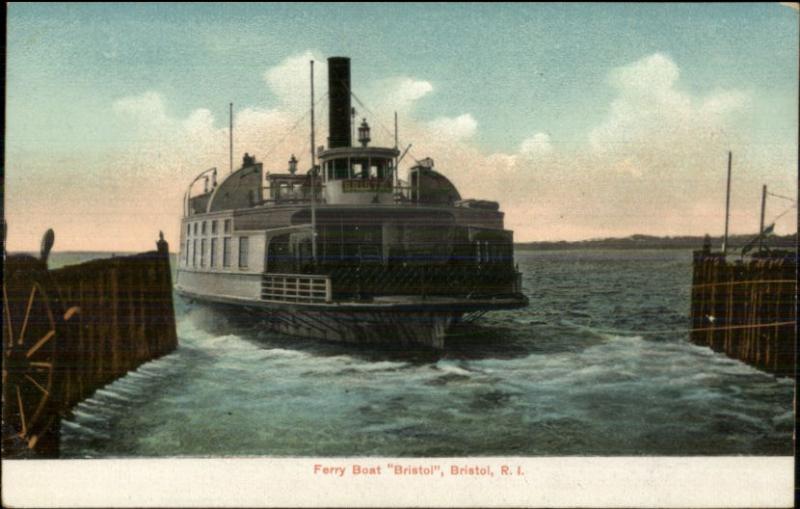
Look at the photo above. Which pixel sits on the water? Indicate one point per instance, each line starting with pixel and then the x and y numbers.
pixel 599 364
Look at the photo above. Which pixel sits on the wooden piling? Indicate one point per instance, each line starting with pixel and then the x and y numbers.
pixel 126 318
pixel 746 309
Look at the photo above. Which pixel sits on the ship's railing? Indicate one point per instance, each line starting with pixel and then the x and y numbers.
pixel 296 288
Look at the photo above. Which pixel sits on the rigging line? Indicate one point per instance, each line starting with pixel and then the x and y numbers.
pixel 375 118
pixel 783 213
pixel 781 196
pixel 291 129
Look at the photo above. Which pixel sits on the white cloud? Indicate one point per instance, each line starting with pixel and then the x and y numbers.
pixel 537 145
pixel 654 126
pixel 290 80
pixel 147 107
pixel 654 164
pixel 399 93
pixel 456 128
pixel 656 72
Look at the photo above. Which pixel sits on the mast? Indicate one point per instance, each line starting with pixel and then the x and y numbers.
pixel 396 161
pixel 313 177
pixel 230 137
pixel 727 206
pixel 763 208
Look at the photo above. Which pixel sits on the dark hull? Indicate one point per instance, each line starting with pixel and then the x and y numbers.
pixel 397 322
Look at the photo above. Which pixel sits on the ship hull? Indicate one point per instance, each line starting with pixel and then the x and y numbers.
pixel 401 322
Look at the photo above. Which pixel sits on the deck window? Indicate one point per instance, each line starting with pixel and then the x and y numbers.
pixel 212 258
pixel 194 253
pixel 227 226
pixel 243 251
pixel 203 228
pixel 213 227
pixel 195 228
pixel 226 252
pixel 188 228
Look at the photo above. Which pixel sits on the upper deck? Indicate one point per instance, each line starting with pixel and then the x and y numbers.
pixel 349 218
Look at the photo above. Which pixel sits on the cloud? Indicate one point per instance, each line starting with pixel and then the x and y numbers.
pixel 146 108
pixel 653 125
pixel 456 128
pixel 537 145
pixel 654 164
pixel 399 93
pixel 289 81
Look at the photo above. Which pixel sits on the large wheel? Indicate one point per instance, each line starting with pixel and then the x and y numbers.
pixel 33 318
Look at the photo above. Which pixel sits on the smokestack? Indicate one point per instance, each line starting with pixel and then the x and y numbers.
pixel 339 97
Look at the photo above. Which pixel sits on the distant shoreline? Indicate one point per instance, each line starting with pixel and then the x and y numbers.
pixel 652 242
pixel 632 242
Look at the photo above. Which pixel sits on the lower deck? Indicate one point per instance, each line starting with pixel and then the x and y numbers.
pixel 301 305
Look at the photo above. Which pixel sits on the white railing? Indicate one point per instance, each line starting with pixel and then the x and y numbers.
pixel 296 288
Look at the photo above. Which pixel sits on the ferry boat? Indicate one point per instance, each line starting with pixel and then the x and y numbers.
pixel 347 251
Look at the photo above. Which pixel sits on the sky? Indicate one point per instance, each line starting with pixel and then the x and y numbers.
pixel 582 120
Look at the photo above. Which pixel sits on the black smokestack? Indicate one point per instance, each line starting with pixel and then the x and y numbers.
pixel 339 97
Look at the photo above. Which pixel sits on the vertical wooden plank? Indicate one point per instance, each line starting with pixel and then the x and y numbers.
pixel 113 313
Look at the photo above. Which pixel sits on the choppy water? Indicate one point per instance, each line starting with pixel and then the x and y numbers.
pixel 599 364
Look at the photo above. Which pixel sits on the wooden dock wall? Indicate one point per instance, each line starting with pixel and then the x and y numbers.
pixel 70 331
pixel 747 309
pixel 126 318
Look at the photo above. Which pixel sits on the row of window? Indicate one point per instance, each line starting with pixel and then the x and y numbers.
pixel 199 228
pixel 196 250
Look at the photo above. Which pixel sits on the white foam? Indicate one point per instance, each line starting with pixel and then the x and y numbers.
pixel 83 429
pixel 140 374
pixel 784 418
pixel 92 417
pixel 281 352
pixel 93 402
pixel 453 369
pixel 121 389
pixel 378 366
pixel 111 394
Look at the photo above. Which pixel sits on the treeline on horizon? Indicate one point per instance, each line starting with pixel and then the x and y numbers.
pixel 653 242
pixel 632 242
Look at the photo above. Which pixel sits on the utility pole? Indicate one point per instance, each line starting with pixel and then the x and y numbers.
pixel 727 206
